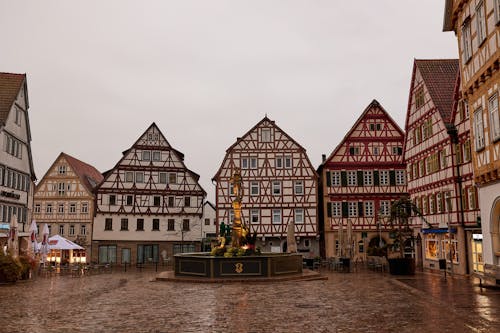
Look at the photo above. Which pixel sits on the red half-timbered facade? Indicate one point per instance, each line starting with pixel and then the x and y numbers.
pixel 279 186
pixel 149 206
pixel 359 180
pixel 438 157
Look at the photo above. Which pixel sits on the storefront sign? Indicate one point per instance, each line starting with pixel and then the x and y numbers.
pixel 477 236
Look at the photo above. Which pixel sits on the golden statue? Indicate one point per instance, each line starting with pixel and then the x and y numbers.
pixel 239 231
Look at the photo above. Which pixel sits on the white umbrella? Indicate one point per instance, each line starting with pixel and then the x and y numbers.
pixel 45 242
pixel 13 241
pixel 33 230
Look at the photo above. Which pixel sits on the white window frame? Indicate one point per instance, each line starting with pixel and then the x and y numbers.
pixel 61 188
pixel 480 23
pixel 288 164
pixel 276 217
pixel 299 215
pixel 129 176
pixel 368 178
pixel 478 129
pixel 494 117
pixel 384 208
pixel 60 208
pixel 254 216
pixel 276 187
pixel 335 178
pixel 61 229
pixel 352 178
pixel 72 208
pixel 353 208
pixel 253 162
pixel 146 155
pixel 156 156
pixel 85 207
pixel 278 162
pixel 400 177
pixel 83 229
pixel 369 208
pixel 38 208
pixel 471 196
pixel 71 230
pixel 163 178
pixel 298 187
pixel 466 42
pixel 139 177
pixel 254 188
pixel 61 169
pixel 244 163
pixel 383 177
pixel 336 208
pixel 265 135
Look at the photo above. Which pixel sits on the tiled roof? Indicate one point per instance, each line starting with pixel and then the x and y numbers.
pixel 89 176
pixel 9 88
pixel 440 76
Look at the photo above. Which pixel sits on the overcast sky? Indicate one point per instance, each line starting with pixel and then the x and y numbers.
pixel 100 72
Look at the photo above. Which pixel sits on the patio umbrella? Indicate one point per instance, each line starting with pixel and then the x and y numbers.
pixel 33 230
pixel 13 241
pixel 45 242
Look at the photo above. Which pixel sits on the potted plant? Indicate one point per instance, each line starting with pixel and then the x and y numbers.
pixel 399 221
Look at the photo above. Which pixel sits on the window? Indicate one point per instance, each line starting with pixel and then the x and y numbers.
pixel 61 188
pixel 497 11
pixel 369 208
pixel 299 187
pixel 129 176
pixel 427 129
pixel 83 230
pixel 431 246
pixel 112 199
pixel 85 207
pixel 187 201
pixel 170 225
pixel 156 156
pixel 172 178
pixel 276 187
pixel 156 201
pixel 124 224
pixel 472 198
pixel 207 221
pixel 466 41
pixel 448 201
pixel 446 248
pixel 61 229
pixel 276 216
pixel 253 162
pixel 397 151
pixel 385 208
pixel 62 169
pixel 171 201
pixel 384 177
pixel 443 158
pixel 107 254
pixel 130 200
pixel 299 215
pixel 419 97
pixel 421 167
pixel 108 224
pixel 139 177
pixel 163 178
pixel 146 155
pixel 288 162
pixel 265 135
pixel 278 162
pixel 335 175
pixel 376 150
pixel 37 208
pixel 156 225
pixel 337 209
pixel 494 117
pixel 60 209
pixel 72 208
pixel 417 136
pixel 254 188
pixel 185 225
pixel 432 204
pixel 140 225
pixel 353 209
pixel 352 179
pixel 48 209
pixel 480 23
pixel 478 129
pixel 368 178
pixel 244 163
pixel 254 216
pixel 375 127
pixel 71 230
pixel 400 177
pixel 466 151
pixel 354 151
pixel 50 229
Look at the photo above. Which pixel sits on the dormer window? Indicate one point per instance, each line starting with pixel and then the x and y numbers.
pixel 62 169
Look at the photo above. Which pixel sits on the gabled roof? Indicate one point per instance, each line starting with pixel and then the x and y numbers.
pixel 439 76
pixel 373 104
pixel 210 204
pixel 89 176
pixel 10 84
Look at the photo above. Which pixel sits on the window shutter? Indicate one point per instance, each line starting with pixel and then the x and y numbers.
pixel 343 178
pixel 392 177
pixel 345 209
pixel 328 179
pixel 360 209
pixel 360 178
pixel 376 180
pixel 329 209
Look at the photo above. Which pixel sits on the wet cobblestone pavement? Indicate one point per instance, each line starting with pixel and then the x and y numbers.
pixel 346 302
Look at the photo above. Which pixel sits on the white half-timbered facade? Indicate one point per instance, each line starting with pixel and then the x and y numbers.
pixel 149 204
pixel 476 24
pixel 359 181
pixel 438 157
pixel 16 163
pixel 279 186
pixel 64 200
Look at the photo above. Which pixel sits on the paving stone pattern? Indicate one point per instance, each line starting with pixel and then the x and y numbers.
pixel 346 302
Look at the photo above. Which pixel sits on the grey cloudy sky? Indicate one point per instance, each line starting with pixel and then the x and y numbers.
pixel 100 72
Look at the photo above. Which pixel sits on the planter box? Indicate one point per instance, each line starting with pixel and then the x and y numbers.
pixel 402 266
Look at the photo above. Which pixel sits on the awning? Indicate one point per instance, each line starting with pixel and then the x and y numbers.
pixel 439 231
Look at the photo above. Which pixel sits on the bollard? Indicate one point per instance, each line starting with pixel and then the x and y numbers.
pixel 156 266
pixel 125 266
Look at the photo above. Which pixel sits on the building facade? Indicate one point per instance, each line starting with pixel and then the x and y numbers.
pixel 359 180
pixel 64 199
pixel 279 186
pixel 439 166
pixel 209 226
pixel 149 204
pixel 17 174
pixel 476 25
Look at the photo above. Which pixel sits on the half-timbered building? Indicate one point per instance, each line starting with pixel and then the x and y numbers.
pixel 438 157
pixel 64 200
pixel 149 203
pixel 476 23
pixel 359 180
pixel 279 186
pixel 16 163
